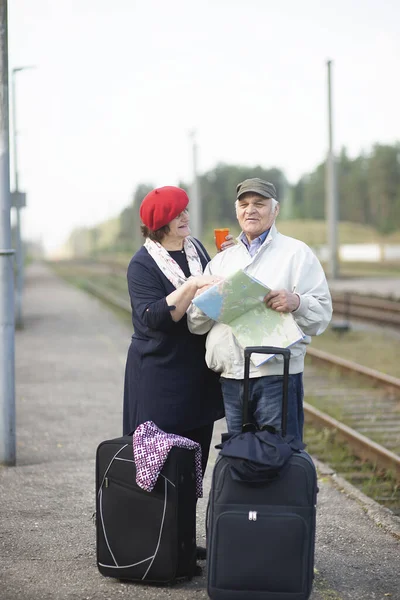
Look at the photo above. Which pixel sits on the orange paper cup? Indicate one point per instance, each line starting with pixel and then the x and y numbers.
pixel 220 235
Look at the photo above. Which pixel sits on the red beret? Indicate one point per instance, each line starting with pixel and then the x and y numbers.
pixel 162 205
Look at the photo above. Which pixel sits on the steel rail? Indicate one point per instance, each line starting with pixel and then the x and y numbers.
pixel 364 447
pixel 348 365
pixel 367 314
pixel 367 308
pixel 367 301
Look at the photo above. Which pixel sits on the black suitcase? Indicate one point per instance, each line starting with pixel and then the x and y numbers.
pixel 260 538
pixel 148 537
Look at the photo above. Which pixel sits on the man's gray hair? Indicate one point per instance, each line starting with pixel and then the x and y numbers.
pixel 274 203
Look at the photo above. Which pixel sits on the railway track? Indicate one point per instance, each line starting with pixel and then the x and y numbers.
pixel 352 413
pixel 347 305
pixel 366 308
pixel 352 423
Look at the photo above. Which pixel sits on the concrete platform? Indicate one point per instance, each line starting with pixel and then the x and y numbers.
pixel 70 361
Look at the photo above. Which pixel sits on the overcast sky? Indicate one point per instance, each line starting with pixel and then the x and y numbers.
pixel 118 86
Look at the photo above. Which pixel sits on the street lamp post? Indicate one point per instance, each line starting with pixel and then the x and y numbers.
pixel 18 203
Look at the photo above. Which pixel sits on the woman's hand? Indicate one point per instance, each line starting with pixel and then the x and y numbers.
pixel 204 282
pixel 181 298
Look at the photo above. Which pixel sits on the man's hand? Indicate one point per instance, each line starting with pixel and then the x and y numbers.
pixel 230 241
pixel 282 300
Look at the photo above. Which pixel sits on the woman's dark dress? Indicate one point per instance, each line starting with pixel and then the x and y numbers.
pixel 166 378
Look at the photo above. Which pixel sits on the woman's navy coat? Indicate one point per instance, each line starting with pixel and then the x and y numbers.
pixel 166 378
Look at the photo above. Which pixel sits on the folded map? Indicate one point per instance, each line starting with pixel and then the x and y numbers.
pixel 237 301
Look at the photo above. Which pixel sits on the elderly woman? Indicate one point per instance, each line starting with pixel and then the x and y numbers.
pixel 167 380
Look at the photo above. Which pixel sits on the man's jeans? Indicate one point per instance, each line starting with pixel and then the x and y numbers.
pixel 265 407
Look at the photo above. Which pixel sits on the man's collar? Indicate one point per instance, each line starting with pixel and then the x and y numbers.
pixel 261 238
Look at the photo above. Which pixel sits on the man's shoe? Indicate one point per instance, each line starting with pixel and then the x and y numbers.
pixel 201 553
pixel 198 571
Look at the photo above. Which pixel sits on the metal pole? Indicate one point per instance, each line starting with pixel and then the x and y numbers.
pixel 331 189
pixel 195 206
pixel 18 241
pixel 14 127
pixel 7 352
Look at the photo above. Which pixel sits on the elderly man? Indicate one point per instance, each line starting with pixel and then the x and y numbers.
pixel 298 285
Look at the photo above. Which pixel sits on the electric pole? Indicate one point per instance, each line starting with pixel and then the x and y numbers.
pixel 7 327
pixel 18 199
pixel 195 204
pixel 331 188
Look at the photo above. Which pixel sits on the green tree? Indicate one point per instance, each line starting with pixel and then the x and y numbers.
pixel 309 195
pixel 353 189
pixel 383 179
pixel 218 190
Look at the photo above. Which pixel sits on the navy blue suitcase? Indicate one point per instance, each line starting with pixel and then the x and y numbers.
pixel 260 538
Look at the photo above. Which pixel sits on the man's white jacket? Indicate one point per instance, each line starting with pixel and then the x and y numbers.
pixel 280 263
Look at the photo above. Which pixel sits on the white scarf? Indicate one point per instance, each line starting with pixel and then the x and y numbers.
pixel 169 266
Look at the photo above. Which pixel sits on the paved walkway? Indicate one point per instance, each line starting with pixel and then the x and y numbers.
pixel 69 372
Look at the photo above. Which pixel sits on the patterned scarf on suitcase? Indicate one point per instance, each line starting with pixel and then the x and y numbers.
pixel 151 446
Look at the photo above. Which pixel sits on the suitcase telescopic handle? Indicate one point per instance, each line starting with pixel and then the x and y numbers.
pixel 248 351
